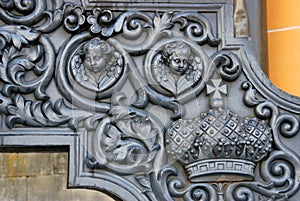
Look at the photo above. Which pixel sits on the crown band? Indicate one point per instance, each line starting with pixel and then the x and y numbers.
pixel 220 170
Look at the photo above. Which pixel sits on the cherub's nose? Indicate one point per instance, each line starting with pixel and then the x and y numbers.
pixel 93 62
pixel 181 63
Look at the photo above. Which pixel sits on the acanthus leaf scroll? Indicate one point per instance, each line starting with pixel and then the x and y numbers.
pixel 18 60
pixel 127 141
pixel 126 81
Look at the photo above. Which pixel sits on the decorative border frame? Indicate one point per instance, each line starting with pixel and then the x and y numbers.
pixel 127 144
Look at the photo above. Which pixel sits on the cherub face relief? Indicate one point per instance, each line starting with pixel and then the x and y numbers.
pixel 94 60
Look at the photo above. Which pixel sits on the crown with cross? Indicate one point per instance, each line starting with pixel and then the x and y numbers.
pixel 219 142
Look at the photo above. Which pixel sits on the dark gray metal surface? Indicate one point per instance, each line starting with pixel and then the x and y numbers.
pixel 154 100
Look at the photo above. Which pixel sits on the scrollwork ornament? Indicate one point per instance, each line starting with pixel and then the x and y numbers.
pixel 69 14
pixel 129 25
pixel 43 113
pixel 19 59
pixel 29 11
pixel 193 192
pixel 105 23
pixel 138 24
pixel 133 24
pixel 127 142
pixel 35 13
pixel 196 27
pixel 228 64
pixel 167 60
pixel 279 171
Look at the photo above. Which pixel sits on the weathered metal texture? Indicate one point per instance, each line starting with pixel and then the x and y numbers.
pixel 155 100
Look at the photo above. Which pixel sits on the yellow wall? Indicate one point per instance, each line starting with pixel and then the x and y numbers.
pixel 284 44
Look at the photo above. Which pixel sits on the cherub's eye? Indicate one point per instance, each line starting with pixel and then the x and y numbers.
pixel 88 59
pixel 96 58
pixel 177 61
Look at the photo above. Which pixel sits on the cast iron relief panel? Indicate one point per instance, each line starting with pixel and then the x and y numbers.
pixel 154 104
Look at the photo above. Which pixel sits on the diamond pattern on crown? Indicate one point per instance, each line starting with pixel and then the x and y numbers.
pixel 219 141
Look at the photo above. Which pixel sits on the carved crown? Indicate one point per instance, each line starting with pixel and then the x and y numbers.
pixel 219 142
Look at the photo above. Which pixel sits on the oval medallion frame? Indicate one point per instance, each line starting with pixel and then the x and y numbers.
pixel 76 93
pixel 193 88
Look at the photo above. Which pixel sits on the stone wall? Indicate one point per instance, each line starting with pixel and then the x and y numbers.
pixel 39 177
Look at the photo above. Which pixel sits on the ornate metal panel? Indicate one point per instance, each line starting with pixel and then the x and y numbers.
pixel 158 100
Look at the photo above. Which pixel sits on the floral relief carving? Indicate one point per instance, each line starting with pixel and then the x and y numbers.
pixel 127 141
pixel 20 57
pixel 161 105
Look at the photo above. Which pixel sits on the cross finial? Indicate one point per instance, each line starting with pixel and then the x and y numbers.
pixel 215 91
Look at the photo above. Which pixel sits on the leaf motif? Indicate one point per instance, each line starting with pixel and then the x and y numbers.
pixel 166 17
pixel 156 21
pixel 19 101
pixel 6 35
pixel 12 109
pixel 250 96
pixel 38 113
pixel 52 21
pixel 37 110
pixel 120 112
pixel 26 64
pixel 105 82
pixel 74 122
pixel 182 21
pixel 113 137
pixel 120 153
pixel 197 76
pixel 23 40
pixel 125 127
pixel 53 116
pixel 11 120
pixel 153 152
pixel 159 70
pixel 107 31
pixel 3 72
pixel 17 41
pixel 169 84
pixel 92 122
pixel 81 17
pixel 92 19
pixel 141 127
pixel 164 22
pixel 144 181
pixel 118 26
pixel 96 28
pixel 5 58
pixel 184 84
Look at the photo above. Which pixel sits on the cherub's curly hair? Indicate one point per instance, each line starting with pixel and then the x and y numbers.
pixel 98 43
pixel 172 47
